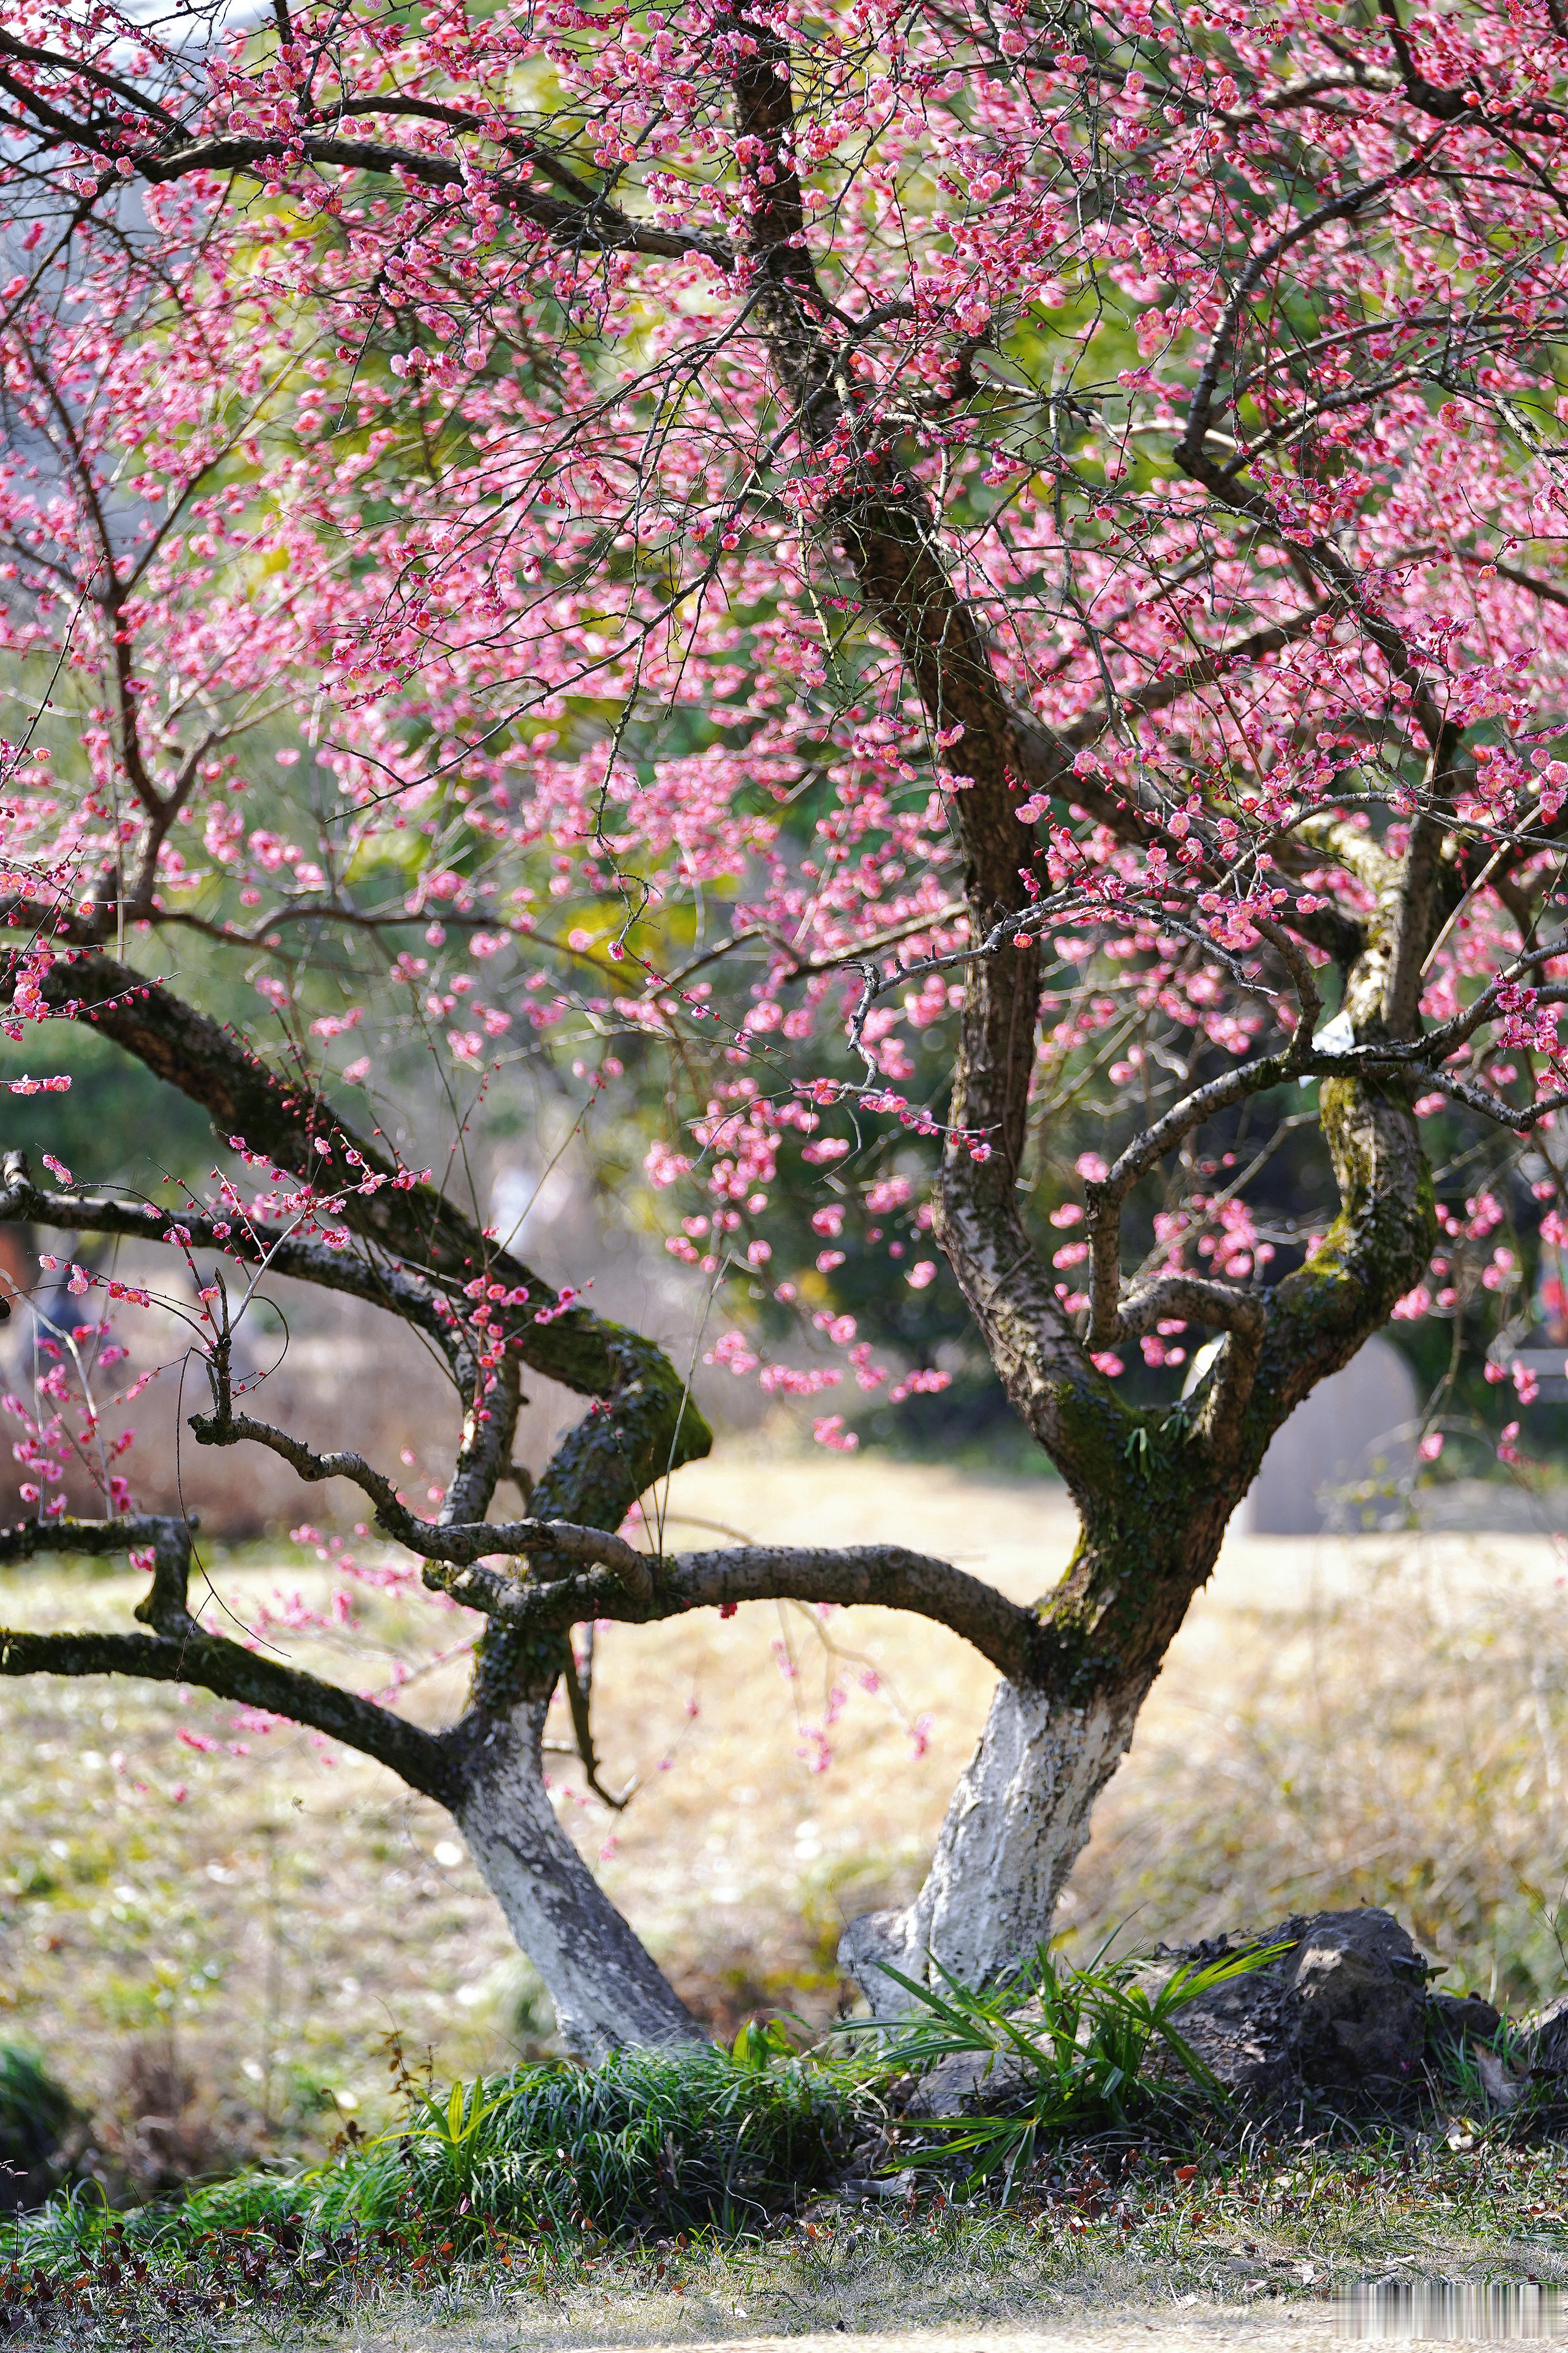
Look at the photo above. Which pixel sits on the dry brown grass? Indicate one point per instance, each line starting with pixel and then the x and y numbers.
pixel 1376 1718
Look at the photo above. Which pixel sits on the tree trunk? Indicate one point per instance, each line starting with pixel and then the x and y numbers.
pixel 607 1990
pixel 1020 1815
pixel 1014 1829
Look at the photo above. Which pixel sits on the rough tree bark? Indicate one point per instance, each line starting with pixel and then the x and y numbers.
pixel 486 1768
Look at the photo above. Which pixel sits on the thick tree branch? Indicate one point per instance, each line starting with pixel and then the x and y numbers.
pixel 380 1282
pixel 29 1539
pixel 1191 1298
pixel 431 1539
pixel 883 525
pixel 881 1575
pixel 639 1587
pixel 484 1449
pixel 1204 670
pixel 587 219
pixel 1465 106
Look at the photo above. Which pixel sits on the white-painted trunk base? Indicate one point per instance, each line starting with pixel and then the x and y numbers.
pixel 607 1990
pixel 1016 1824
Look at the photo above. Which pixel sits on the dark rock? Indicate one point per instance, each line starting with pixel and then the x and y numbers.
pixel 1360 1986
pixel 1340 2012
pixel 1456 2019
pixel 1343 2009
pixel 1242 2030
pixel 1541 2046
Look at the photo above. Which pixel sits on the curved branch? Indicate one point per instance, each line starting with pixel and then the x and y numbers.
pixel 27 1539
pixel 1204 670
pixel 1193 1298
pixel 637 1586
pixel 882 1576
pixel 1344 207
pixel 598 226
pixel 588 220
pixel 1461 106
pixel 81 70
pixel 410 1219
pixel 433 1540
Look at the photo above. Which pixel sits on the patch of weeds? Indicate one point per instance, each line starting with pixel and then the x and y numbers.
pixel 162 2126
pixel 1064 2052
pixel 725 2193
pixel 648 2141
pixel 543 2164
pixel 1095 2228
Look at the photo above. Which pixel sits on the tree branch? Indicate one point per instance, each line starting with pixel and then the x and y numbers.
pixel 587 220
pixel 413 1221
pixel 380 1283
pixel 639 1587
pixel 881 1575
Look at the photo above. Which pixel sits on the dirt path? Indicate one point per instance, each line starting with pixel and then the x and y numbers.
pixel 1298 2331
pixel 1210 2328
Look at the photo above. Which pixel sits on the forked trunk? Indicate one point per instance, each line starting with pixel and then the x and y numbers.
pixel 607 1990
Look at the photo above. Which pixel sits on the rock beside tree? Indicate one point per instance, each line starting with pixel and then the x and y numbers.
pixel 1342 2008
pixel 1343 2013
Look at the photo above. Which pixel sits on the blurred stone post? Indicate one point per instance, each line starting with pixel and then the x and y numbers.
pixel 1355 1431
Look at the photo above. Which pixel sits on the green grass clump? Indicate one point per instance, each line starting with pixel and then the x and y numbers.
pixel 675 2140
pixel 649 2141
pixel 1099 2233
pixel 1118 2169
pixel 1069 2051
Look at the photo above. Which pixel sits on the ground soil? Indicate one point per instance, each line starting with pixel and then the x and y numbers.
pixel 1179 2329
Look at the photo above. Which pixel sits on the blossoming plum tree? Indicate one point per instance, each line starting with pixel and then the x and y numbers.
pixel 980 587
